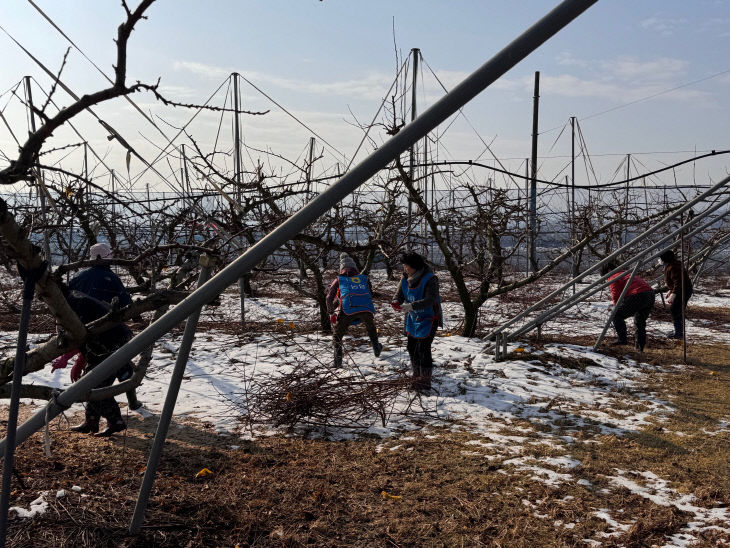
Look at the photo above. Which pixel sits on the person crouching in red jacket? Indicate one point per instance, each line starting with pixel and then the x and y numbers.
pixel 637 302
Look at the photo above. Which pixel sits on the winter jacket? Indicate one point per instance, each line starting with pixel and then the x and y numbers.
pixel 90 295
pixel 430 295
pixel 673 277
pixel 100 283
pixel 638 285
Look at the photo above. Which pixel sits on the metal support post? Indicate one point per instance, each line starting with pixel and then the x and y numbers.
pixel 9 454
pixel 449 104
pixel 412 154
pixel 612 315
pixel 237 177
pixel 683 302
pixel 533 179
pixel 574 263
pixel 169 406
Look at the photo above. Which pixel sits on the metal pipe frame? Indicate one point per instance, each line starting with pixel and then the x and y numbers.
pixel 595 287
pixel 705 254
pixel 601 283
pixel 613 256
pixel 448 105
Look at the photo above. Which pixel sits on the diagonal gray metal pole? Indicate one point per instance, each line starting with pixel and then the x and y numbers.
pixel 622 250
pixel 485 75
pixel 167 410
pixel 601 282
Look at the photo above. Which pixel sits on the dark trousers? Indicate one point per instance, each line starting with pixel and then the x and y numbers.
pixel 108 408
pixel 419 351
pixel 676 308
pixel 344 321
pixel 639 306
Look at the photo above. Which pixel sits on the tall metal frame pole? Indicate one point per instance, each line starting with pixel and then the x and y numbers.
pixel 237 177
pixel 533 178
pixel 684 272
pixel 624 232
pixel 527 215
pixel 10 435
pixel 415 52
pixel 309 166
pixel 170 399
pixel 574 263
pixel 479 80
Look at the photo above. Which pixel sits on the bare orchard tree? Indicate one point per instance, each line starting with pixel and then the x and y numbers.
pixel 72 203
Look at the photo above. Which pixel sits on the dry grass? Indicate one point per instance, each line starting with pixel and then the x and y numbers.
pixel 294 492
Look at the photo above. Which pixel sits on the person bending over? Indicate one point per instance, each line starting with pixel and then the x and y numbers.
pixel 349 302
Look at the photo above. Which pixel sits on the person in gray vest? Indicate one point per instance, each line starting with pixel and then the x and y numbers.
pixel 418 297
pixel 349 302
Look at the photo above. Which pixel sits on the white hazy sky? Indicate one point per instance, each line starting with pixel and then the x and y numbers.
pixel 650 78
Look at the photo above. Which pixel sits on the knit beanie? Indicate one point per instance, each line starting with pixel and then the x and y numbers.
pixel 100 250
pixel 346 261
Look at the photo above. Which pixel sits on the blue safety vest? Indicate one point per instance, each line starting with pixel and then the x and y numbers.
pixel 418 322
pixel 355 295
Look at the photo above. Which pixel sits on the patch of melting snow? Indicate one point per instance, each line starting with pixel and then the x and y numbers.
pixel 619 528
pixel 544 475
pixel 722 427
pixel 560 462
pixel 37 508
pixel 658 491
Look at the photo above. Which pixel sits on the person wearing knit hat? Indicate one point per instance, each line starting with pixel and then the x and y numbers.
pixel 349 302
pixel 418 297
pixel 91 294
pixel 100 251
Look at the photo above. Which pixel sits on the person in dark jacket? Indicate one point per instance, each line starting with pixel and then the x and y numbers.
pixel 418 297
pixel 677 280
pixel 90 294
pixel 637 302
pixel 349 302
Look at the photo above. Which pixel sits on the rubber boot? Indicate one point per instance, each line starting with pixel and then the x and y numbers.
pixel 338 356
pixel 377 349
pixel 116 426
pixel 89 426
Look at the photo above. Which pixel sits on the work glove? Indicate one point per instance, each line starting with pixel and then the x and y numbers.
pixel 333 318
pixel 396 306
pixel 406 308
pixel 78 368
pixel 670 297
pixel 62 361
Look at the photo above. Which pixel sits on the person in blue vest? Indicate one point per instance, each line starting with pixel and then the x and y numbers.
pixel 349 302
pixel 90 295
pixel 418 297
